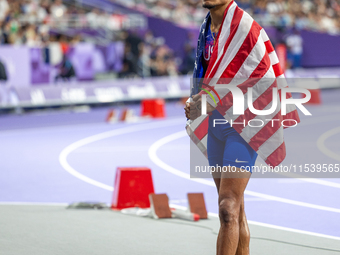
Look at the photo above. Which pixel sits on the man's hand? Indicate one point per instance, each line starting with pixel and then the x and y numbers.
pixel 195 107
pixel 187 110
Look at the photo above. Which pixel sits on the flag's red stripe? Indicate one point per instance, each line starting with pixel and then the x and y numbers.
pixel 288 95
pixel 262 67
pixel 249 43
pixel 244 51
pixel 267 131
pixel 233 29
pixel 260 103
pixel 269 46
pixel 227 100
pixel 277 156
pixel 215 52
pixel 259 72
pixel 277 69
pixel 202 129
pixel 293 115
pixel 265 98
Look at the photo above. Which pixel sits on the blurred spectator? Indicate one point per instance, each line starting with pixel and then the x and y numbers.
pixel 3 72
pixel 4 8
pixel 58 10
pixel 134 41
pixel 320 15
pixel 163 62
pixel 190 55
pixel 93 18
pixel 295 48
pixel 144 61
pixel 35 23
pixel 66 71
pixel 128 70
pixel 129 63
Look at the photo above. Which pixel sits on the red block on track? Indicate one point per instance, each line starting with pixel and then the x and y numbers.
pixel 197 205
pixel 128 116
pixel 111 116
pixel 315 96
pixel 132 187
pixel 154 108
pixel 160 206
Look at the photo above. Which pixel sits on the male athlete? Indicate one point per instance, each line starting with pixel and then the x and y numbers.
pixel 231 44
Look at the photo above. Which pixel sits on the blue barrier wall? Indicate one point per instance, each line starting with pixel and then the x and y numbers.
pixel 320 50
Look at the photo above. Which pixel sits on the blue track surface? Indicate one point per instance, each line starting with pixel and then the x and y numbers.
pixel 30 170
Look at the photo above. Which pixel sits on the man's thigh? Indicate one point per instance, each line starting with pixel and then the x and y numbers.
pixel 229 183
pixel 233 185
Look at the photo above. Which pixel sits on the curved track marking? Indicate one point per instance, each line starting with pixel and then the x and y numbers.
pixel 126 130
pixel 63 161
pixel 153 156
pixel 321 143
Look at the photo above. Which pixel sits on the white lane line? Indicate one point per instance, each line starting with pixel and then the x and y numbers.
pixel 321 182
pixel 153 156
pixel 320 120
pixel 321 143
pixel 126 130
pixel 322 147
pixel 215 215
pixel 291 229
pixel 72 147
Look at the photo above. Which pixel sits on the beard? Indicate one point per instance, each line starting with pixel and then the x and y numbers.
pixel 209 6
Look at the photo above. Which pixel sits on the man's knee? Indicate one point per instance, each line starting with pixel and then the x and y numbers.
pixel 229 210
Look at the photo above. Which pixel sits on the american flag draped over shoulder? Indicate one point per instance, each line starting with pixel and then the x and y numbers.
pixel 244 55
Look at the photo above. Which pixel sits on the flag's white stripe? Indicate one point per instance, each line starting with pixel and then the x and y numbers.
pixel 290 108
pixel 264 35
pixel 202 145
pixel 225 30
pixel 205 140
pixel 273 58
pixel 189 130
pixel 194 124
pixel 258 89
pixel 236 43
pixel 263 84
pixel 272 143
pixel 253 60
pixel 249 132
pixel 238 40
pixel 250 64
pixel 281 81
pixel 234 46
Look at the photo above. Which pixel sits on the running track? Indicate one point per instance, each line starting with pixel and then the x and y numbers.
pixel 67 157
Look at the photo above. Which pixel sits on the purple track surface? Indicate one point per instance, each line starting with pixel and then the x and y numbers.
pixel 31 172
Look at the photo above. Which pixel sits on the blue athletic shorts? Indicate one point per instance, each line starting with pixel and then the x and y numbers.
pixel 226 147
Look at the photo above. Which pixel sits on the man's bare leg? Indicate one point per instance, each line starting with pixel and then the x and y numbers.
pixel 243 243
pixel 233 237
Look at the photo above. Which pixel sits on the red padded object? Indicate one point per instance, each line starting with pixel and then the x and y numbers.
pixel 132 187
pixel 154 108
pixel 111 116
pixel 315 96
